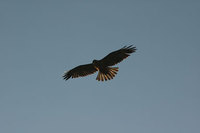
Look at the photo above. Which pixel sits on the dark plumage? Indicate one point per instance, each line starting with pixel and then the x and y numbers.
pixel 103 66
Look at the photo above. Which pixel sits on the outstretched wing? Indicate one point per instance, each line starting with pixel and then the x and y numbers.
pixel 80 71
pixel 118 55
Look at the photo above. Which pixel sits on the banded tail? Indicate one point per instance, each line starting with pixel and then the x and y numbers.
pixel 110 74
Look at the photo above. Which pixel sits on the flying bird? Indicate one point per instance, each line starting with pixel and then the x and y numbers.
pixel 105 72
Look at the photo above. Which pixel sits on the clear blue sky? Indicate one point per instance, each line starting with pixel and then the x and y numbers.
pixel 157 89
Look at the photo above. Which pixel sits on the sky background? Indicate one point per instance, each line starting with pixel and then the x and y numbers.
pixel 157 89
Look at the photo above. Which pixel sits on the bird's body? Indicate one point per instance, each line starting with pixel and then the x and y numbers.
pixel 103 66
pixel 105 72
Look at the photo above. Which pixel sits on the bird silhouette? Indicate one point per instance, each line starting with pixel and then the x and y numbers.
pixel 103 66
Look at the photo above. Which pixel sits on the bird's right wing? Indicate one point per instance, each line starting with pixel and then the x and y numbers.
pixel 80 71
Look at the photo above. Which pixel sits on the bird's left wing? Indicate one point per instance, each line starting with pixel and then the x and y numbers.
pixel 118 55
pixel 80 71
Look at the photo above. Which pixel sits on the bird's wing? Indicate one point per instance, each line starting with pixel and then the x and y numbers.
pixel 80 71
pixel 118 55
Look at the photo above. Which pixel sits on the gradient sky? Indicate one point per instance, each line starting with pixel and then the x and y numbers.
pixel 157 89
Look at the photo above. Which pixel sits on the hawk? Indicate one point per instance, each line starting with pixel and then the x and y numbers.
pixel 105 72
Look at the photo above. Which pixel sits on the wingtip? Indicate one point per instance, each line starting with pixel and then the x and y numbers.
pixel 134 49
pixel 66 76
pixel 129 49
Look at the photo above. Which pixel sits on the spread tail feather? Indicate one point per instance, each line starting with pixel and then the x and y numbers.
pixel 110 74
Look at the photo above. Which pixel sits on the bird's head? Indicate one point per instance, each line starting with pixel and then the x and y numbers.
pixel 94 61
